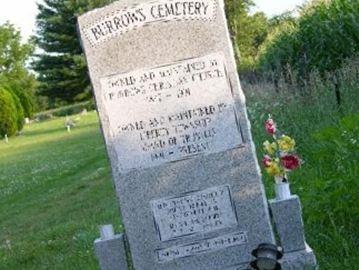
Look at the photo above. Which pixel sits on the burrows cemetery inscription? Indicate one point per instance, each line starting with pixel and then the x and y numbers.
pixel 137 15
pixel 174 120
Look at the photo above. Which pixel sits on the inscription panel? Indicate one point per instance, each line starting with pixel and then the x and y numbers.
pixel 203 246
pixel 196 212
pixel 171 112
pixel 121 21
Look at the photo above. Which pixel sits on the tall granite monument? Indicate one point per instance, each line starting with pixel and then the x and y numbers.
pixel 174 120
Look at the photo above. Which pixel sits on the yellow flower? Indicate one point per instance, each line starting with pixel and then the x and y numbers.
pixel 270 148
pixel 286 143
pixel 274 169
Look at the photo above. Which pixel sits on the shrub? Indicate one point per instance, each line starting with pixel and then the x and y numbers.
pixel 8 114
pixel 321 39
pixel 66 111
pixel 14 74
pixel 19 112
pixel 26 102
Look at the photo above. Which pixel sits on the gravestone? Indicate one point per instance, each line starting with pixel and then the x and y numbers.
pixel 174 120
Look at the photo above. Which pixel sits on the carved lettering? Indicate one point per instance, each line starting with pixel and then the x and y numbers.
pixel 140 15
pixel 203 246
pixel 172 112
pixel 198 212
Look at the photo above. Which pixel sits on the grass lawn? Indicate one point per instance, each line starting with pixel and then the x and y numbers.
pixel 55 190
pixel 327 139
pixel 55 186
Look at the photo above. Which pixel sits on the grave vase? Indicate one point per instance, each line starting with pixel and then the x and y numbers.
pixel 282 190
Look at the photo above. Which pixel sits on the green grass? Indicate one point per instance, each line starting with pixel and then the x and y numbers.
pixel 328 142
pixel 55 190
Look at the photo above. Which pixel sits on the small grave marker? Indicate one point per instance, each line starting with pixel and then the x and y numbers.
pixel 69 124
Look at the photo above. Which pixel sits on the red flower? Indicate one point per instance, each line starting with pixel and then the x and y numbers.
pixel 290 162
pixel 270 126
pixel 266 161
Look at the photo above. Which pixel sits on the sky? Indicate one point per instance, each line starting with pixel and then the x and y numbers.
pixel 22 13
pixel 276 7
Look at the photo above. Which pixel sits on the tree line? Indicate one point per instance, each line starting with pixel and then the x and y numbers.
pixel 321 38
pixel 17 84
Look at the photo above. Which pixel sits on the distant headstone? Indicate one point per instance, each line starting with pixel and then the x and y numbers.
pixel 174 120
pixel 84 112
pixel 69 124
pixel 6 138
pixel 27 121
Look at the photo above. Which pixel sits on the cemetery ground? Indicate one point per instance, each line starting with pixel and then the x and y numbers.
pixel 55 186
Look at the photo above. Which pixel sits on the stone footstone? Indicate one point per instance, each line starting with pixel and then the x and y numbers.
pixel 287 216
pixel 111 252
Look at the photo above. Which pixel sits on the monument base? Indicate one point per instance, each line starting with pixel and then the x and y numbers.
pixel 299 260
pixel 287 217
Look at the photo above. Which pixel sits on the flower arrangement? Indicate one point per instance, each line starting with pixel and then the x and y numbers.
pixel 280 157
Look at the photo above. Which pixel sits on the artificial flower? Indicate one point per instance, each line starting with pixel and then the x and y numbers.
pixel 279 158
pixel 270 148
pixel 274 169
pixel 266 161
pixel 286 143
pixel 270 126
pixel 290 162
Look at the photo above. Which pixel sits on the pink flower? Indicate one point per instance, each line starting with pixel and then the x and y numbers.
pixel 270 126
pixel 290 162
pixel 266 161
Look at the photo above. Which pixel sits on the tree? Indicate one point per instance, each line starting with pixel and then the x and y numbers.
pixel 8 114
pixel 321 40
pixel 247 31
pixel 62 68
pixel 14 75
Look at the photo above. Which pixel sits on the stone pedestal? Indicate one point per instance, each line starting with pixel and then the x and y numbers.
pixel 110 251
pixel 287 217
pixel 299 260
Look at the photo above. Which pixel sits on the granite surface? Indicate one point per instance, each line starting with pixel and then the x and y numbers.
pixel 287 216
pixel 111 253
pixel 299 260
pixel 204 208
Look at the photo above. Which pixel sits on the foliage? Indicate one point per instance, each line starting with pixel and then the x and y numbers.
pixel 62 67
pixel 247 31
pixel 8 114
pixel 19 111
pixel 321 39
pixel 13 73
pixel 338 146
pixel 66 110
pixel 23 84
